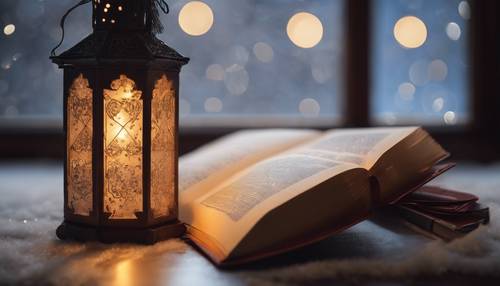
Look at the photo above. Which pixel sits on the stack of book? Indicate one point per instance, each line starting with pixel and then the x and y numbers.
pixel 445 213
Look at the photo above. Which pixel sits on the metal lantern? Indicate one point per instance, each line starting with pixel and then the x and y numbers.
pixel 121 87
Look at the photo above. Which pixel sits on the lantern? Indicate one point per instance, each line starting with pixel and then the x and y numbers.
pixel 121 125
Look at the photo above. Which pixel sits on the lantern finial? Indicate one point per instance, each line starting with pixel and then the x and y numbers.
pixel 129 15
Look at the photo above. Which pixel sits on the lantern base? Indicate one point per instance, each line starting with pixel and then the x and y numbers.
pixel 72 231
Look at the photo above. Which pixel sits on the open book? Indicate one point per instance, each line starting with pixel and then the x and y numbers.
pixel 256 193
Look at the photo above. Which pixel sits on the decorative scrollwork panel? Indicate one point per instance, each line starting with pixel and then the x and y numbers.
pixel 163 130
pixel 79 152
pixel 123 120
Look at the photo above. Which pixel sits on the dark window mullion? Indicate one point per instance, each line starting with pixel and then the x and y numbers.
pixel 357 63
pixel 484 49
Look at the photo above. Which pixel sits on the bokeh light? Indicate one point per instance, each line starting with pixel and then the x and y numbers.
pixel 450 118
pixel 453 31
pixel 321 69
pixel 196 18
pixel 436 99
pixel 236 79
pixel 213 104
pixel 309 107
pixel 464 10
pixel 437 70
pixel 215 72
pixel 305 30
pixel 389 118
pixel 263 52
pixel 9 29
pixel 418 72
pixel 238 55
pixel 438 104
pixel 406 91
pixel 410 32
pixel 6 64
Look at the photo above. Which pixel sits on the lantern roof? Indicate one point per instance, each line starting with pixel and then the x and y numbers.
pixel 119 45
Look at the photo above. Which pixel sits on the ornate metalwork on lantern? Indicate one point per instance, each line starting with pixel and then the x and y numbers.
pixel 121 124
pixel 79 136
pixel 162 144
pixel 122 149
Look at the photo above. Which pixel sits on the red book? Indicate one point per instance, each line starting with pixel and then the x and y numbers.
pixel 445 213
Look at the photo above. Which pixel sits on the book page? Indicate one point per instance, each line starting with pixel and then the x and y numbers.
pixel 362 147
pixel 201 170
pixel 398 157
pixel 229 211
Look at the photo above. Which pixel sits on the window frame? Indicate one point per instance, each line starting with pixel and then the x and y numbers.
pixel 477 140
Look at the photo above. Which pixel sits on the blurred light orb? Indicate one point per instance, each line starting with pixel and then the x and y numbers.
pixel 236 79
pixel 450 118
pixel 213 104
pixel 215 72
pixel 304 30
pixel 263 52
pixel 184 107
pixel 9 29
pixel 389 118
pixel 238 55
pixel 410 32
pixel 322 71
pixel 6 64
pixel 17 56
pixel 418 72
pixel 406 91
pixel 309 107
pixel 435 98
pixel 437 70
pixel 438 104
pixel 464 10
pixel 196 18
pixel 453 31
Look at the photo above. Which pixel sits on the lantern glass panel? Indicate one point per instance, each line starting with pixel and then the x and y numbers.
pixel 123 149
pixel 163 148
pixel 79 140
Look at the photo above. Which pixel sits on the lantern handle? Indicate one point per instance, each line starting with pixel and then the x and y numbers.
pixel 61 24
pixel 153 15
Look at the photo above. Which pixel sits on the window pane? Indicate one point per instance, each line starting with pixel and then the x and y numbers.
pixel 246 70
pixel 30 84
pixel 420 65
pixel 244 67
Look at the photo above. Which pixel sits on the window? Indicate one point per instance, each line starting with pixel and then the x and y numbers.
pixel 247 70
pixel 253 66
pixel 30 85
pixel 420 64
pixel 244 66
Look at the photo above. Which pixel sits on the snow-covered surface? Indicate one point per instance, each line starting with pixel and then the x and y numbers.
pixel 31 209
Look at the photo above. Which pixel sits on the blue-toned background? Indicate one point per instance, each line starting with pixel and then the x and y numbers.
pixel 246 67
pixel 421 84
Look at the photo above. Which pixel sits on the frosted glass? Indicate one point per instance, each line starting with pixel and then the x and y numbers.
pixel 79 156
pixel 122 149
pixel 163 148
